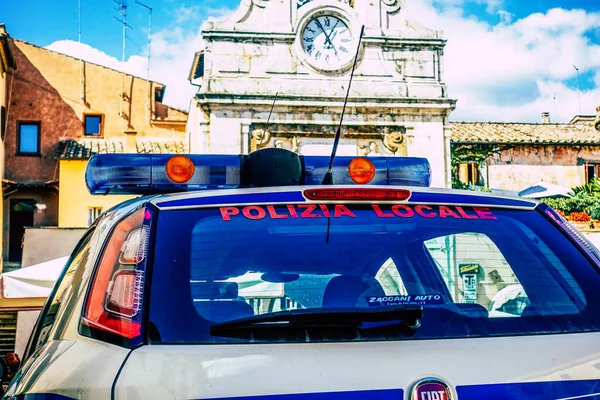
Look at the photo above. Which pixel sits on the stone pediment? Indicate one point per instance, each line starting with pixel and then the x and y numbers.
pixel 380 17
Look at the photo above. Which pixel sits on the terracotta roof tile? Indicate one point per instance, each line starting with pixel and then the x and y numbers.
pixel 495 132
pixel 83 149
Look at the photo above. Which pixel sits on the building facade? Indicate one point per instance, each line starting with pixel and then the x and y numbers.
pixel 295 58
pixel 7 66
pixel 515 156
pixel 56 98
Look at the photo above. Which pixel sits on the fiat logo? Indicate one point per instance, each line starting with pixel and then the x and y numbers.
pixel 431 389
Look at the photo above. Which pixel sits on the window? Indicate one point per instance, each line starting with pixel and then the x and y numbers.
pixel 468 173
pixel 476 272
pixel 93 125
pixel 592 171
pixel 28 138
pixel 482 272
pixel 93 213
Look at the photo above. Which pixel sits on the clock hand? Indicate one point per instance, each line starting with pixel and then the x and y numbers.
pixel 334 31
pixel 323 29
pixel 333 37
pixel 327 39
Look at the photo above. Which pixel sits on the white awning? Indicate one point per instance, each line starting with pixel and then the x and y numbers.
pixel 35 281
pixel 38 280
pixel 545 189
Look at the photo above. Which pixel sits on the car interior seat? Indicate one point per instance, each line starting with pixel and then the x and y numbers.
pixel 350 291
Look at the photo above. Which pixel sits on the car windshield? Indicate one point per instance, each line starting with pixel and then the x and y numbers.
pixel 475 272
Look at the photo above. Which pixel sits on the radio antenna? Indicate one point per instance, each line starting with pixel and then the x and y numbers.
pixel 272 106
pixel 328 178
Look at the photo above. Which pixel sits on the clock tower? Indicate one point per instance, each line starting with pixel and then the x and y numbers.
pixel 295 57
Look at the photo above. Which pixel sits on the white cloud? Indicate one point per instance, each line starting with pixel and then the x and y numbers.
pixel 135 65
pixel 505 16
pixel 510 71
pixel 184 13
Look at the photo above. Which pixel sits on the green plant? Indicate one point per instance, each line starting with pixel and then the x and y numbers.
pixel 472 152
pixel 591 188
pixel 581 203
pixel 595 213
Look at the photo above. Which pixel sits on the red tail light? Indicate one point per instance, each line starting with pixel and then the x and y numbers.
pixel 357 194
pixel 114 301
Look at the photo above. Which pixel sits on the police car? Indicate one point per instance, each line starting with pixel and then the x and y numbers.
pixel 245 277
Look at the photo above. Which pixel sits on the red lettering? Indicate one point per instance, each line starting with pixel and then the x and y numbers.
pixel 464 214
pixel 484 213
pixel 227 212
pixel 419 210
pixel 380 213
pixel 260 213
pixel 447 212
pixel 409 213
pixel 292 211
pixel 341 209
pixel 308 209
pixel 326 212
pixel 273 213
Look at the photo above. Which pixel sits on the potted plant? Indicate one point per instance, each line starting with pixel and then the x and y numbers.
pixel 580 219
pixel 595 217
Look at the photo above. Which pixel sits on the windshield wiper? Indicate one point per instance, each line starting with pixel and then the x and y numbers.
pixel 356 321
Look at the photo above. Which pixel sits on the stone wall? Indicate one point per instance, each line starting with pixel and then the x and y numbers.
pixel 522 166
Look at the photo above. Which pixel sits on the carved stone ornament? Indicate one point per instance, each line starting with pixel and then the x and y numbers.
pixel 392 6
pixel 260 138
pixel 370 149
pixel 393 141
pixel 296 144
pixel 260 3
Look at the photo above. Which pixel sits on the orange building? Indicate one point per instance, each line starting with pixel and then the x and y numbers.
pixel 59 103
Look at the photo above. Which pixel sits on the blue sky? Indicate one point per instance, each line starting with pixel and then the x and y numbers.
pixel 506 60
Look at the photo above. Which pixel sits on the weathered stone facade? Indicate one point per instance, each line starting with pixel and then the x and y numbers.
pixel 397 105
pixel 523 154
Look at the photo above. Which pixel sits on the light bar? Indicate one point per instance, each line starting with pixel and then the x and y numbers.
pixel 401 171
pixel 147 173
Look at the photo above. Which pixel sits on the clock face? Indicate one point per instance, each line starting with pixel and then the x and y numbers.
pixel 328 41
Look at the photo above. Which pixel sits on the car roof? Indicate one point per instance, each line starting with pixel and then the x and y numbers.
pixel 290 194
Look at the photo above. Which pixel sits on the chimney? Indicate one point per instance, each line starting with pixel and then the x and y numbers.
pixel 545 117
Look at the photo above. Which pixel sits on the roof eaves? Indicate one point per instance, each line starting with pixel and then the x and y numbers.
pixel 546 143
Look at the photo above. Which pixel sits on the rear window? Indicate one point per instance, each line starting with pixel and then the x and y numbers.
pixel 476 272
